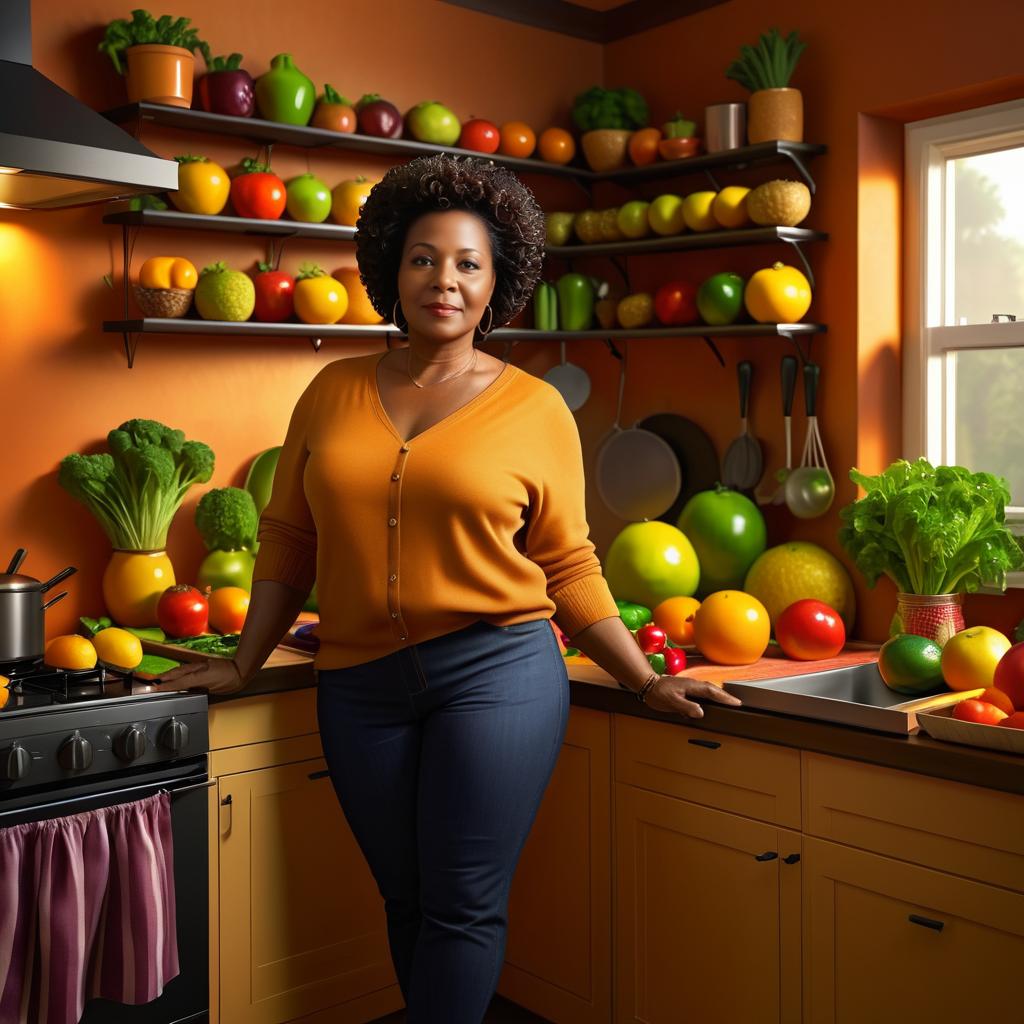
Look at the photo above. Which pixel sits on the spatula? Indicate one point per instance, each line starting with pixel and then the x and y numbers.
pixel 743 463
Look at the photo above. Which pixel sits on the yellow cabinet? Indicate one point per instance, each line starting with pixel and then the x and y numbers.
pixel 707 922
pixel 558 956
pixel 890 942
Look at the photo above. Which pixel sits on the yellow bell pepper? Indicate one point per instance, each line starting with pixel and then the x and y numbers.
pixel 319 299
pixel 168 272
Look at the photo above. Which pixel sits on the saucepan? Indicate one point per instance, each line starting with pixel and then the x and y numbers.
pixel 22 611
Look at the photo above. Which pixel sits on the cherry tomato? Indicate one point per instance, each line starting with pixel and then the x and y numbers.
pixel 480 135
pixel 675 304
pixel 275 291
pixel 258 193
pixel 675 660
pixel 809 630
pixel 979 712
pixel 651 638
pixel 183 611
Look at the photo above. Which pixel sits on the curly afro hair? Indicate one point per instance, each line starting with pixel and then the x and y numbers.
pixel 514 221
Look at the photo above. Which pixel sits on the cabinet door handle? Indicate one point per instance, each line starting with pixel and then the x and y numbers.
pixel 710 744
pixel 767 855
pixel 225 815
pixel 319 775
pixel 926 922
pixel 791 859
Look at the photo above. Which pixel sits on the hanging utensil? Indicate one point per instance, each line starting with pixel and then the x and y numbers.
pixel 637 473
pixel 743 463
pixel 788 383
pixel 570 381
pixel 810 488
pixel 19 557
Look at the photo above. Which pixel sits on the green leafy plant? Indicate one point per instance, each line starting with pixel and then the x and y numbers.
pixel 144 28
pixel 931 529
pixel 609 108
pixel 226 518
pixel 135 489
pixel 769 64
pixel 230 63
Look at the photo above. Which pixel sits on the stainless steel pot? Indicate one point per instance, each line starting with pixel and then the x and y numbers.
pixel 22 611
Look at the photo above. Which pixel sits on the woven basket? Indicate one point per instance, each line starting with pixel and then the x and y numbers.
pixel 168 303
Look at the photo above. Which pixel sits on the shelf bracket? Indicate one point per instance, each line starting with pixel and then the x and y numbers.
pixel 803 259
pixel 617 264
pixel 801 167
pixel 131 343
pixel 612 348
pixel 805 356
pixel 714 348
pixel 316 343
pixel 713 180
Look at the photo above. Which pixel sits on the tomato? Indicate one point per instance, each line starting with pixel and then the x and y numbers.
pixel 970 657
pixel 347 200
pixel 228 608
pixel 517 139
pixel 720 298
pixel 731 628
pixel 480 135
pixel 1009 675
pixel 274 294
pixel 643 146
pixel 651 639
pixel 319 299
pixel 998 698
pixel 675 616
pixel 778 294
pixel 556 146
pixel 1014 721
pixel 810 630
pixel 728 533
pixel 258 193
pixel 203 186
pixel 675 660
pixel 979 712
pixel 182 611
pixel 675 303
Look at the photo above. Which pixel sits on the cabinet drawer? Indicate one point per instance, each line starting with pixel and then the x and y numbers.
pixel 269 716
pixel 758 780
pixel 964 830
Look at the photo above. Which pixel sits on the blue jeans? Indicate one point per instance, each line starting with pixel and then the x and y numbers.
pixel 440 754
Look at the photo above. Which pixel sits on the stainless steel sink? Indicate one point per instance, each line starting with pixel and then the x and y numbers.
pixel 854 695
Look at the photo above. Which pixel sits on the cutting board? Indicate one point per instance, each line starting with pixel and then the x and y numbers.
pixel 278 657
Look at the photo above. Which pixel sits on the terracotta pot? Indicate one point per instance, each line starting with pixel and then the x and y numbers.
pixel 775 114
pixel 935 616
pixel 159 74
pixel 606 149
pixel 132 584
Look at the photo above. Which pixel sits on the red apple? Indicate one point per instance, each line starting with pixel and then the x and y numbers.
pixel 652 639
pixel 1009 676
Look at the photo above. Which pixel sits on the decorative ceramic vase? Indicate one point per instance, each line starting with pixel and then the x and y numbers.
pixel 606 149
pixel 935 616
pixel 159 74
pixel 775 115
pixel 132 584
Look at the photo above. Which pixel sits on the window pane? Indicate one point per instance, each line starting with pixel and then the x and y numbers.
pixel 989 425
pixel 987 272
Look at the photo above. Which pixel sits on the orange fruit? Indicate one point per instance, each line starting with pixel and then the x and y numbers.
pixel 5 694
pixel 360 309
pixel 70 651
pixel 517 139
pixel 228 608
pixel 998 699
pixel 675 616
pixel 643 146
pixel 347 200
pixel 556 146
pixel 731 628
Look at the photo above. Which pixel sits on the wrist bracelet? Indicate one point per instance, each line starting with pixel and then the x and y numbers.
pixel 641 694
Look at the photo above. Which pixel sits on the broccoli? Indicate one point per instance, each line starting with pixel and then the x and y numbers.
pixel 609 108
pixel 135 490
pixel 226 518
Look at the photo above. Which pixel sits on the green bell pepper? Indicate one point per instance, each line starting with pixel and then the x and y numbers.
pixel 575 302
pixel 545 307
pixel 284 93
pixel 678 127
pixel 633 615
pixel 657 662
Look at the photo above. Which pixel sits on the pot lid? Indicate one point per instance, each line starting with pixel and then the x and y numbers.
pixel 16 582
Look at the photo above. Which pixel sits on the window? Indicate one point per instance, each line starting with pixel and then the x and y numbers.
pixel 963 383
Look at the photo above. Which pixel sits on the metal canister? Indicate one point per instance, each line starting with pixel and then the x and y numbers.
pixel 725 126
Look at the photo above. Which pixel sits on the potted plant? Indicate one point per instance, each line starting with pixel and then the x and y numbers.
pixel 938 532
pixel 606 118
pixel 158 57
pixel 134 490
pixel 776 111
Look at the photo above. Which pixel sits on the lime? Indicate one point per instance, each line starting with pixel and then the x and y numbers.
pixel 911 664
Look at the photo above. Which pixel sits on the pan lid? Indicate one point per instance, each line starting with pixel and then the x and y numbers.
pixel 16 582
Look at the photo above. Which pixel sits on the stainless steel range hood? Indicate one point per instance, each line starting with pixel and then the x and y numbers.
pixel 55 151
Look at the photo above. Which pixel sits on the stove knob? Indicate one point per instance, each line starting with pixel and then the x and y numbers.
pixel 75 753
pixel 15 763
pixel 131 744
pixel 174 736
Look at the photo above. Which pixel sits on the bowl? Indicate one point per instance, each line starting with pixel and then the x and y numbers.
pixel 166 303
pixel 605 149
pixel 678 149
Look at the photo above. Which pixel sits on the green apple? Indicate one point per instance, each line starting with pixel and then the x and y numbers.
pixel 309 199
pixel 433 122
pixel 720 298
pixel 632 218
pixel 665 215
pixel 558 228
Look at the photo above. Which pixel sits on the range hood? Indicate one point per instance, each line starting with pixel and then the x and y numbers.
pixel 55 151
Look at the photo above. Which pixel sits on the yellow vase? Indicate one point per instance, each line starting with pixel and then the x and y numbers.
pixel 132 584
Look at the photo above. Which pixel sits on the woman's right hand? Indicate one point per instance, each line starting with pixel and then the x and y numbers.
pixel 216 675
pixel 679 693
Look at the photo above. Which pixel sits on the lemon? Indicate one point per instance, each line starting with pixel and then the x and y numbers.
pixel 793 571
pixel 730 207
pixel 118 647
pixel 70 651
pixel 697 211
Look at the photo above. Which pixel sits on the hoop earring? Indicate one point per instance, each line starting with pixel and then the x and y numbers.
pixel 394 318
pixel 490 323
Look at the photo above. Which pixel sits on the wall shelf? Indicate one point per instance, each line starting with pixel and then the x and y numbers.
pixel 233 225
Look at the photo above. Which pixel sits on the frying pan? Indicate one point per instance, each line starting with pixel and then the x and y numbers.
pixel 695 453
pixel 570 381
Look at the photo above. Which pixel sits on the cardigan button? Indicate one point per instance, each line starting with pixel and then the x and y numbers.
pixel 392 577
pixel 404 448
pixel 394 615
pixel 392 521
pixel 394 476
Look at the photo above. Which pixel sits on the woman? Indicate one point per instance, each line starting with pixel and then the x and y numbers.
pixel 435 493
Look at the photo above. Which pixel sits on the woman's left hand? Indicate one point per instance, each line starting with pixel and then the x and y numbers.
pixel 678 693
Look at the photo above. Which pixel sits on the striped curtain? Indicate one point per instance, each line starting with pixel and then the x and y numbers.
pixel 86 910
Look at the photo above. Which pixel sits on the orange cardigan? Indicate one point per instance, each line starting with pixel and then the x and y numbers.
pixel 481 516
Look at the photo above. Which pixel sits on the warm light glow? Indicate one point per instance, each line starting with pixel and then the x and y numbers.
pixel 10 170
pixel 673 555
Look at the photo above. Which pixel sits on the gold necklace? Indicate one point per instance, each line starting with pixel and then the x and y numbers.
pixel 468 365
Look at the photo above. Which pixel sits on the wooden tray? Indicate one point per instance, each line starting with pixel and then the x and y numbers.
pixel 941 725
pixel 278 657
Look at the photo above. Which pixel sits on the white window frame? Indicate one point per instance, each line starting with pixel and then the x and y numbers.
pixel 929 376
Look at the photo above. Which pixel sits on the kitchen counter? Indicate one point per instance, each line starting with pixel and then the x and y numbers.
pixel 915 753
